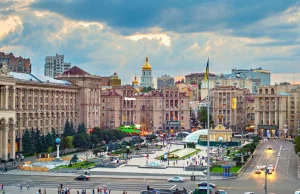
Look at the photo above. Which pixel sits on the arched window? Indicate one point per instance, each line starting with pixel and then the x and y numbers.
pixel 266 91
pixel 272 91
pixel 260 91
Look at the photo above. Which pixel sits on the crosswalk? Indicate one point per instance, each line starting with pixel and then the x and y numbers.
pixel 119 186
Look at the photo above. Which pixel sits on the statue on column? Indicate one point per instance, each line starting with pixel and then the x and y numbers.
pixel 4 71
pixel 220 117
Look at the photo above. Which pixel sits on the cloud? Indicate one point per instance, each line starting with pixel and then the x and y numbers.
pixel 104 37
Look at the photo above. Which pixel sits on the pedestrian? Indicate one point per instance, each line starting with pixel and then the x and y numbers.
pixel 21 187
pixel 28 186
pixel 45 191
pixel 109 191
pixel 93 191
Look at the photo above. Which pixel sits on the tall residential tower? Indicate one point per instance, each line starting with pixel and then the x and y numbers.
pixel 55 65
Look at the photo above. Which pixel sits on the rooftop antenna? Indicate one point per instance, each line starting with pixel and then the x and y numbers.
pixel 293 78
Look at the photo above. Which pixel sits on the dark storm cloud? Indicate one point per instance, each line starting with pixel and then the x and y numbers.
pixel 171 15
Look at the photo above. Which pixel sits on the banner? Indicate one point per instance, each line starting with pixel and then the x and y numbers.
pixel 233 103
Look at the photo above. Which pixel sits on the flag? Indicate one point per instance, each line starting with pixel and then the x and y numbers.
pixel 206 71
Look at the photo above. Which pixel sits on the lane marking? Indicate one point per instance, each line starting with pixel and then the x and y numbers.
pixel 173 187
pixel 277 158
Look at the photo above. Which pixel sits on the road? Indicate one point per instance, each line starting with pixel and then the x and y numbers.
pixel 283 180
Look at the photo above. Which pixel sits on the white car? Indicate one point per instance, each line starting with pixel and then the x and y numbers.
pixel 297 192
pixel 269 147
pixel 176 179
pixel 271 167
pixel 249 193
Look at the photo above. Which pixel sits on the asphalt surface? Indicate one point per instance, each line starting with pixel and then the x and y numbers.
pixel 283 180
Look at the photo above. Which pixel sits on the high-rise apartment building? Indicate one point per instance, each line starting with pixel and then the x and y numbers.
pixel 196 78
pixel 56 65
pixel 227 81
pixel 259 76
pixel 16 64
pixel 165 81
pixel 277 109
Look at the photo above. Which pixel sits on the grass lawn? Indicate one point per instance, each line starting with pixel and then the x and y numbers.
pixel 76 165
pixel 234 169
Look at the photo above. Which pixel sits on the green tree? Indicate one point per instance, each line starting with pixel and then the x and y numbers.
pixel 44 144
pixel 297 145
pixel 74 159
pixel 202 117
pixel 110 146
pixel 82 141
pixel 33 140
pixel 98 133
pixel 68 142
pixel 50 141
pixel 81 128
pixel 27 143
pixel 53 133
pixel 94 139
pixel 68 131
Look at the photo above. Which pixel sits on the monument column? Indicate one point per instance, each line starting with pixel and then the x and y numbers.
pixel 4 157
pixel 12 154
pixel 0 143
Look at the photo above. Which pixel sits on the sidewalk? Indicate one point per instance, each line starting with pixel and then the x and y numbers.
pixel 16 190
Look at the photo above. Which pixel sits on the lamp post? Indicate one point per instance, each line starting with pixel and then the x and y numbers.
pixel 266 169
pixel 298 127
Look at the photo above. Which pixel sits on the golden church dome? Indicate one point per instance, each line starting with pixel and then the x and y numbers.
pixel 135 81
pixel 146 66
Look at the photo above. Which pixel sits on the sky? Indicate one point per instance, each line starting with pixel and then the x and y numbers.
pixel 103 37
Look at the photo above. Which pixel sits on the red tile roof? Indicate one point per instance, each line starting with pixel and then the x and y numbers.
pixel 75 71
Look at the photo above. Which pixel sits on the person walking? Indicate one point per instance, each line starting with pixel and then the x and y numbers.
pixel 28 186
pixel 20 187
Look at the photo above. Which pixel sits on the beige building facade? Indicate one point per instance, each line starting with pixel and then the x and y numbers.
pixel 277 110
pixel 30 101
pixel 167 109
pixel 229 102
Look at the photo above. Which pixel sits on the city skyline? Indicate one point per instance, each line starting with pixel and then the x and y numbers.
pixel 232 35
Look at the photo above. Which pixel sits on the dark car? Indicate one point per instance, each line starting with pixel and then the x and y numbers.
pixel 82 178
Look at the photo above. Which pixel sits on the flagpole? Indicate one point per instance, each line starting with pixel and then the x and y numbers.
pixel 208 134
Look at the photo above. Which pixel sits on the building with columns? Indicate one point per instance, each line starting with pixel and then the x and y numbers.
pixel 146 78
pixel 31 101
pixel 277 107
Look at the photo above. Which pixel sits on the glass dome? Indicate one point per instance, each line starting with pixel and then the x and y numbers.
pixel 193 137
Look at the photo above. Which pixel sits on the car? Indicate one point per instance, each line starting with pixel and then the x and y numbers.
pixel 297 192
pixel 271 167
pixel 220 192
pixel 176 179
pixel 262 167
pixel 82 178
pixel 204 184
pixel 270 170
pixel 269 147
pixel 257 170
pixel 249 193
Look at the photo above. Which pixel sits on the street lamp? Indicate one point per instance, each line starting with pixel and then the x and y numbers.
pixel 266 169
pixel 298 127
